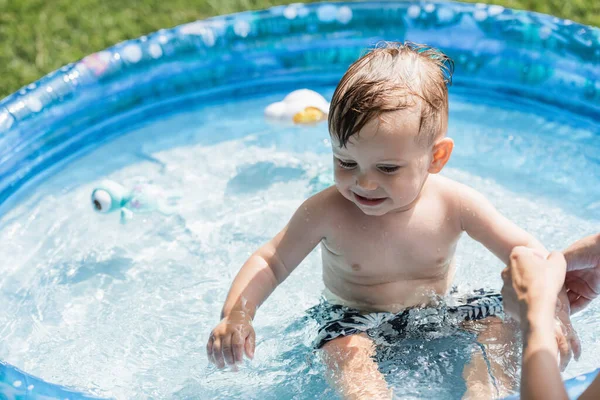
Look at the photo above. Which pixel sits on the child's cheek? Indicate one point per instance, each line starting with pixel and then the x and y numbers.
pixel 342 174
pixel 408 186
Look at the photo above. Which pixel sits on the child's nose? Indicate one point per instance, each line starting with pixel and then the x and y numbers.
pixel 365 182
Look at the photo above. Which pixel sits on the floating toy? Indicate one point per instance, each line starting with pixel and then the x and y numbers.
pixel 111 196
pixel 301 106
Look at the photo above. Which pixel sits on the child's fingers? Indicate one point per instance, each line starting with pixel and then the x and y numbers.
pixel 217 354
pixel 506 275
pixel 237 342
pixel 575 343
pixel 565 354
pixel 209 349
pixel 250 340
pixel 511 307
pixel 563 348
pixel 227 350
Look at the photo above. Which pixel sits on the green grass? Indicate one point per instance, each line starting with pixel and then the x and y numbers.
pixel 39 36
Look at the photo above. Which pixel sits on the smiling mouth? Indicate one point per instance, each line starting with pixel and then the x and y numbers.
pixel 369 201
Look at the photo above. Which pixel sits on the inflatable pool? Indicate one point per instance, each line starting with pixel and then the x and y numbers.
pixel 75 314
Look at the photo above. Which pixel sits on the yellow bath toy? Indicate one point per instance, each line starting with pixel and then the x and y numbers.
pixel 301 106
pixel 310 115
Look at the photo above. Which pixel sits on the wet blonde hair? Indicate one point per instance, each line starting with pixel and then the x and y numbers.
pixel 393 76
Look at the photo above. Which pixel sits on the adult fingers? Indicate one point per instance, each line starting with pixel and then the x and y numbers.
pixel 580 304
pixel 250 344
pixel 581 286
pixel 227 350
pixel 573 297
pixel 237 343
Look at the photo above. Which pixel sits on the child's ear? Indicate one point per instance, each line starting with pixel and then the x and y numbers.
pixel 442 149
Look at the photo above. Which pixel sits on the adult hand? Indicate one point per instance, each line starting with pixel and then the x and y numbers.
pixel 567 339
pixel 533 293
pixel 583 272
pixel 532 281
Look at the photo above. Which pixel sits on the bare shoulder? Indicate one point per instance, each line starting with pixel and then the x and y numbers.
pixel 453 197
pixel 325 199
pixel 456 193
pixel 324 205
pixel 473 209
pixel 445 189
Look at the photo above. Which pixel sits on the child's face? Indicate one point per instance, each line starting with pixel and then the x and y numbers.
pixel 382 169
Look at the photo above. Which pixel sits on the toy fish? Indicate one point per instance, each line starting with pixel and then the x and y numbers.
pixel 111 196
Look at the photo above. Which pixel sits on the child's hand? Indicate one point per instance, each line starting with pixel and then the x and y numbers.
pixel 566 337
pixel 230 339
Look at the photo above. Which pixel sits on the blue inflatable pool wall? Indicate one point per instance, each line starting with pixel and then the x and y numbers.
pixel 77 108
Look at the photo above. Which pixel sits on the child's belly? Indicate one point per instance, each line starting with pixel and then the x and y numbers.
pixel 392 293
pixel 390 296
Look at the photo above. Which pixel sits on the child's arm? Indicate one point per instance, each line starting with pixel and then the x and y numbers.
pixel 480 219
pixel 260 275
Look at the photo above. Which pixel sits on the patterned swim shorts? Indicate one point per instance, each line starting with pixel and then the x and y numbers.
pixel 337 320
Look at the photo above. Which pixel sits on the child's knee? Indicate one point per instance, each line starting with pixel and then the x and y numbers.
pixel 358 341
pixel 348 349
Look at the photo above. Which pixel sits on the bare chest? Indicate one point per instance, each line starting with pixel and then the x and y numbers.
pixel 391 250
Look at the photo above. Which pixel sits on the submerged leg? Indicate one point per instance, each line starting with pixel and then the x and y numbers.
pixel 352 369
pixel 493 369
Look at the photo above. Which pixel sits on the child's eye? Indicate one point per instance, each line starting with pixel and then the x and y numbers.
pixel 346 164
pixel 388 169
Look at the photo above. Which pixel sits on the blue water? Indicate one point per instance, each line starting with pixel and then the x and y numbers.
pixel 125 310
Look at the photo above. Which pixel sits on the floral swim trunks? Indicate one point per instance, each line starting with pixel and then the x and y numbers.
pixel 337 320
